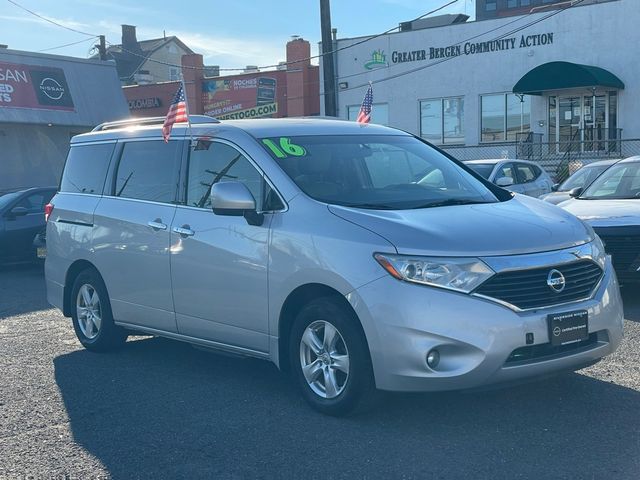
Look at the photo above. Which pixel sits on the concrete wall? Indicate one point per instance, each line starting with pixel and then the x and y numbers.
pixel 604 35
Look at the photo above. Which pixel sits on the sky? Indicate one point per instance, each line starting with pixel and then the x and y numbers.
pixel 231 34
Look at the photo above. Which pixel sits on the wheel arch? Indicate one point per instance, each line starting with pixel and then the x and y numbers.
pixel 72 273
pixel 294 302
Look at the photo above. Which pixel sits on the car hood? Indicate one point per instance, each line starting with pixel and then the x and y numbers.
pixel 556 197
pixel 605 213
pixel 520 225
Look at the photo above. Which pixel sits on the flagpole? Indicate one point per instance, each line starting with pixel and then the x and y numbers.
pixel 186 104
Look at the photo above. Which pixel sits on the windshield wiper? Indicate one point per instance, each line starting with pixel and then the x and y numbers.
pixel 371 206
pixel 449 202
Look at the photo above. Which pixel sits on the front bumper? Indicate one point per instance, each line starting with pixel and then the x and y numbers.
pixel 475 337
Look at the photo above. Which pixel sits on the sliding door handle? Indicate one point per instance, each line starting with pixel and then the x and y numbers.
pixel 184 230
pixel 157 225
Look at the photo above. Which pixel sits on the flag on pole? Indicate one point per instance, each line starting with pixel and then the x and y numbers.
pixel 177 113
pixel 364 116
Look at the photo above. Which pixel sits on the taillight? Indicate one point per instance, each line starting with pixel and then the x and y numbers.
pixel 48 209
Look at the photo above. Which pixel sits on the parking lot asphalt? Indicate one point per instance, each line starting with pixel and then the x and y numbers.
pixel 162 409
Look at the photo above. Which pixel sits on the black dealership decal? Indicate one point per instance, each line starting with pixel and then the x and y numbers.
pixel 51 88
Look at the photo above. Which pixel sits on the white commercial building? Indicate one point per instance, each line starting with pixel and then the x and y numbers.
pixel 546 85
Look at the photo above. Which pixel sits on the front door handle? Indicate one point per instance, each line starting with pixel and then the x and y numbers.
pixel 157 225
pixel 184 230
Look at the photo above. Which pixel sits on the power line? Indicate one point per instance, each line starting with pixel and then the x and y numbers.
pixel 523 27
pixel 265 67
pixel 84 40
pixel 49 20
pixel 438 62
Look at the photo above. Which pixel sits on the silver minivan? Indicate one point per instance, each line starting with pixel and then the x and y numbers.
pixel 353 256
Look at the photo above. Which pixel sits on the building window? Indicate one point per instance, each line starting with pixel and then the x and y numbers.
pixel 512 3
pixel 442 120
pixel 503 116
pixel 379 113
pixel 525 3
pixel 174 74
pixel 490 6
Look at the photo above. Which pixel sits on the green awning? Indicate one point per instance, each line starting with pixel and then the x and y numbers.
pixel 564 75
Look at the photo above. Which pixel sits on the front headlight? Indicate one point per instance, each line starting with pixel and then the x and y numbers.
pixel 598 253
pixel 459 274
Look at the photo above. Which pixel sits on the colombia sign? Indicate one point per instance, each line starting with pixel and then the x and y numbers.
pixel 29 86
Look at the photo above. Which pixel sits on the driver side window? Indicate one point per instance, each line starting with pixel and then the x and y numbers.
pixel 508 171
pixel 214 162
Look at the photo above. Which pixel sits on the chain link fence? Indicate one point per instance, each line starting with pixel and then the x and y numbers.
pixel 559 159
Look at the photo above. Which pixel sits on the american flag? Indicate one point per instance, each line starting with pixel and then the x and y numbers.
pixel 364 116
pixel 177 113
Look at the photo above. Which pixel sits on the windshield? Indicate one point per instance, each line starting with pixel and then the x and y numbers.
pixel 582 178
pixel 375 171
pixel 483 169
pixel 622 181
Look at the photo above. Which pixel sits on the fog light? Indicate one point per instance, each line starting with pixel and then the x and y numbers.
pixel 433 358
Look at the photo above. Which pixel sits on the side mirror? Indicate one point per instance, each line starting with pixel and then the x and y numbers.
pixel 18 212
pixel 576 192
pixel 235 200
pixel 555 187
pixel 504 182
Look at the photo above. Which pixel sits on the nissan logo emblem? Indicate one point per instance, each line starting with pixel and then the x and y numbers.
pixel 51 88
pixel 556 281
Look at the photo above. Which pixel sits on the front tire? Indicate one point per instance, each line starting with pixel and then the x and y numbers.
pixel 92 317
pixel 330 357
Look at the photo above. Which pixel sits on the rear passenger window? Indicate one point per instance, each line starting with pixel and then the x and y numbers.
pixel 213 162
pixel 86 168
pixel 149 171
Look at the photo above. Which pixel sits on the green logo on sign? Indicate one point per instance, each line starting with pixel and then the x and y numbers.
pixel 378 59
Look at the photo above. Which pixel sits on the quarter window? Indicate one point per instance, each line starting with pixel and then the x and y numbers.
pixel 213 162
pixel 149 171
pixel 86 168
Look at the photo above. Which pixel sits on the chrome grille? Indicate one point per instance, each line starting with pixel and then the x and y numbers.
pixel 625 254
pixel 528 289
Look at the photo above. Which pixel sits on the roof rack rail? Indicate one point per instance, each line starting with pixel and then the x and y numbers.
pixel 134 122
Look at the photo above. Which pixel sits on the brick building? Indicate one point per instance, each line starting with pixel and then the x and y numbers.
pixel 291 90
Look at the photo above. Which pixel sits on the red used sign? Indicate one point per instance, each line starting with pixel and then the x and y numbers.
pixel 31 86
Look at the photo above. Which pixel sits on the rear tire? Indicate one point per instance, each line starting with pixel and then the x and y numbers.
pixel 330 358
pixel 91 314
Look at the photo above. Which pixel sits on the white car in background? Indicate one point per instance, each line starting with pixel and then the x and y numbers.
pixel 611 205
pixel 581 178
pixel 519 176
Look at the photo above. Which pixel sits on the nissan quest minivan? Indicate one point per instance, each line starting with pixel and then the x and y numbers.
pixel 353 256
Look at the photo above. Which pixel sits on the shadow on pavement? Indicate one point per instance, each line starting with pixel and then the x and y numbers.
pixel 162 409
pixel 22 289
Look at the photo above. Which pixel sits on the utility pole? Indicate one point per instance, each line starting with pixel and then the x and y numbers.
pixel 102 48
pixel 327 60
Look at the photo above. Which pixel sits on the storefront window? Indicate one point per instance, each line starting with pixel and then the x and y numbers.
pixel 442 120
pixel 518 115
pixel 431 120
pixel 492 118
pixel 490 6
pixel 379 113
pixel 504 116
